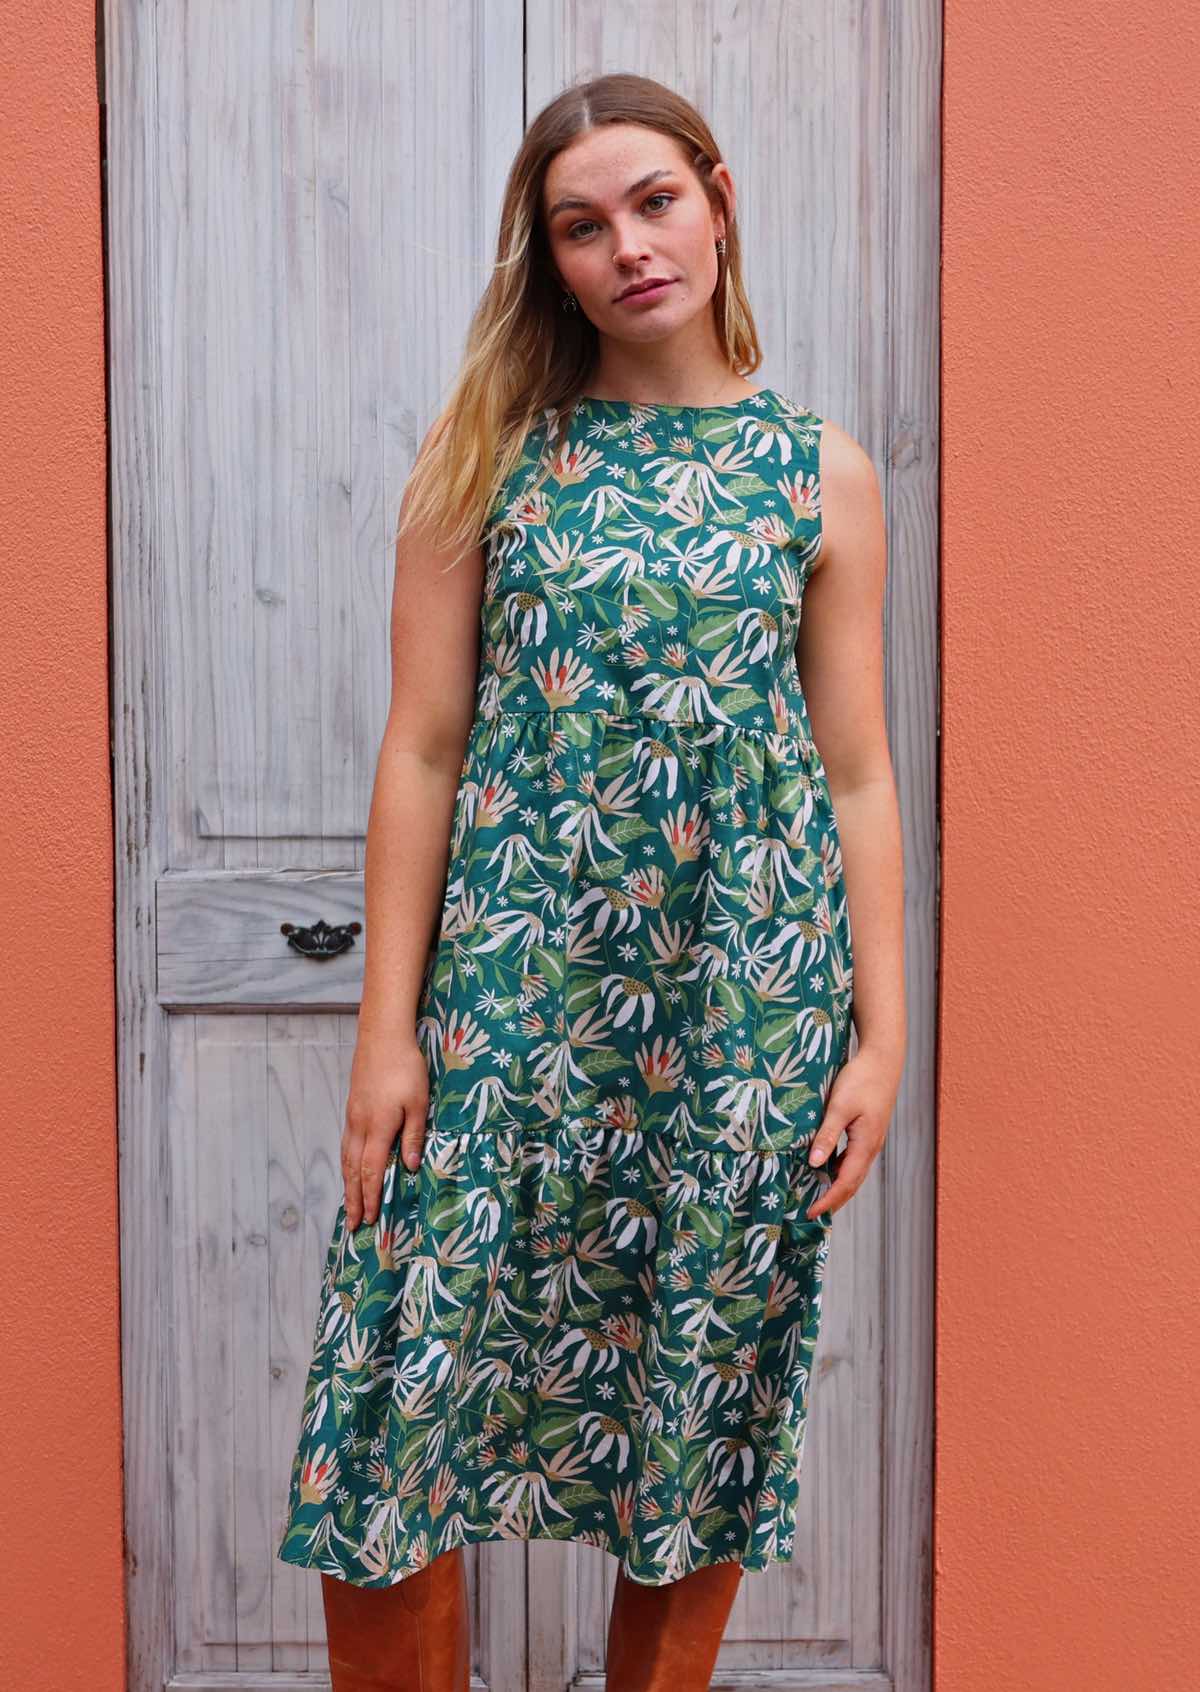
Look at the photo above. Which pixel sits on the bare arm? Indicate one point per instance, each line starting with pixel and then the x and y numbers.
pixel 435 656
pixel 840 658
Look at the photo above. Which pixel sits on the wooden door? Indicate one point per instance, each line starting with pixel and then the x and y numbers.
pixel 302 200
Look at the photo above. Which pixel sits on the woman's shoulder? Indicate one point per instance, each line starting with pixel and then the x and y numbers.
pixel 845 460
pixel 839 455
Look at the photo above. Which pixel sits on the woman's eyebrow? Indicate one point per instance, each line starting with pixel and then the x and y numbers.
pixel 575 201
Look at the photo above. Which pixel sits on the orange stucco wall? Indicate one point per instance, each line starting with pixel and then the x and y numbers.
pixel 61 1595
pixel 1068 1270
pixel 1067 1474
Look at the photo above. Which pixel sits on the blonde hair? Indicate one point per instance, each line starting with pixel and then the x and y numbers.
pixel 525 354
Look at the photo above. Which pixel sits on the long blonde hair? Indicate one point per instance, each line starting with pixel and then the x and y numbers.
pixel 523 352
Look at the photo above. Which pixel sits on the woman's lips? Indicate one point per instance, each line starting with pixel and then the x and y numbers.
pixel 645 296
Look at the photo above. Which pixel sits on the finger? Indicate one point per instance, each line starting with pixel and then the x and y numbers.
pixel 833 1197
pixel 850 1175
pixel 412 1140
pixel 825 1139
pixel 352 1178
pixel 374 1161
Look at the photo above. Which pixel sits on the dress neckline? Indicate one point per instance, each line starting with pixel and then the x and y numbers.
pixel 755 399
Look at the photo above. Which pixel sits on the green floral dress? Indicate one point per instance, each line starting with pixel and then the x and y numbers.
pixel 591 1313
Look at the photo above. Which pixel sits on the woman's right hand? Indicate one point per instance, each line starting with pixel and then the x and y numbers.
pixel 389 1094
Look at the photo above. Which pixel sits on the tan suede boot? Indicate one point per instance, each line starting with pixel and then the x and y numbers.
pixel 411 1637
pixel 666 1638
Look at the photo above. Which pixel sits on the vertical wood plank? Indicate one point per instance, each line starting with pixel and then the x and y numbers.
pixel 910 456
pixel 301 1193
pixel 136 284
pixel 246 1114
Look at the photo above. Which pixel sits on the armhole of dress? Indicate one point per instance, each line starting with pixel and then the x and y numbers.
pixel 551 431
pixel 522 467
pixel 818 428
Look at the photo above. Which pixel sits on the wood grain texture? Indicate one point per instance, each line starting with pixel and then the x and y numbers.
pixel 221 942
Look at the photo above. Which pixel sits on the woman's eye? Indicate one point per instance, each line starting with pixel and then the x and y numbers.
pixel 586 223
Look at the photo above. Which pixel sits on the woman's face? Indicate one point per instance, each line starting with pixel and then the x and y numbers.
pixel 621 207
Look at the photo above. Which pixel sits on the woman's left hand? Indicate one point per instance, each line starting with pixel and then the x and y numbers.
pixel 861 1101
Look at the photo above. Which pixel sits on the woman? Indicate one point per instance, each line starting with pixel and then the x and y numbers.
pixel 603 1065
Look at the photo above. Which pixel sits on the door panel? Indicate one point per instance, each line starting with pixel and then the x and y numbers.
pixel 302 203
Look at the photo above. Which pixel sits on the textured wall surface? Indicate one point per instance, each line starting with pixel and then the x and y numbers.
pixel 1067 1473
pixel 1068 1281
pixel 61 1609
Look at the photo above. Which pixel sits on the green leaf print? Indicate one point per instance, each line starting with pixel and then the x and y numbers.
pixel 599 1063
pixel 512 1406
pixel 575 727
pixel 746 487
pixel 446 1211
pixel 551 1432
pixel 790 795
pixel 584 1493
pixel 703 1223
pixel 626 829
pixel 752 759
pixel 550 964
pixel 737 699
pixel 666 1453
pixel 795 1100
pixel 603 1279
pixel 656 598
pixel 738 1312
pixel 709 634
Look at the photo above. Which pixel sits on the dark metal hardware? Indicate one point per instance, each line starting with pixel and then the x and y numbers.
pixel 320 941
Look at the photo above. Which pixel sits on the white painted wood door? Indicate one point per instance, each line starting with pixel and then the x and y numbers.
pixel 302 198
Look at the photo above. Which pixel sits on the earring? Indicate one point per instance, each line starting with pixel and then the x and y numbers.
pixel 569 302
pixel 721 245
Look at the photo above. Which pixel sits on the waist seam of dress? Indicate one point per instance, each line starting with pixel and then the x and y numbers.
pixel 632 718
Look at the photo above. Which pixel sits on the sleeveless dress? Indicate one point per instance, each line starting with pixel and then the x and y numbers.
pixel 591 1313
